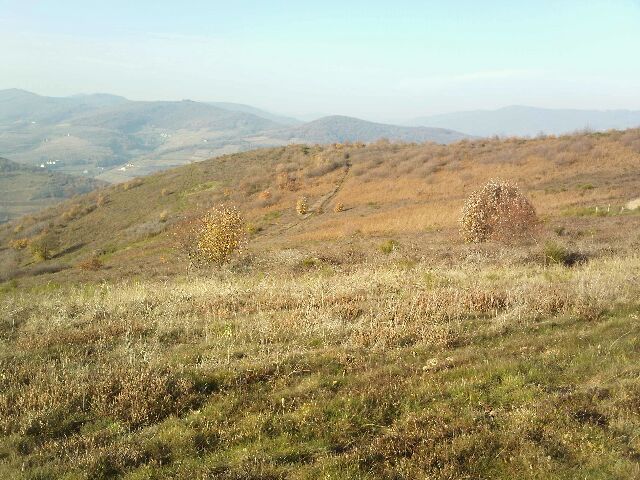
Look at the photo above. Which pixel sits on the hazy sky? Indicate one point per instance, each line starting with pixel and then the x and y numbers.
pixel 378 60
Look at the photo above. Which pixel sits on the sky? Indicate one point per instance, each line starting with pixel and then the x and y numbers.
pixel 384 61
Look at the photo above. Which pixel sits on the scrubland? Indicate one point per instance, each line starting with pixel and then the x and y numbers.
pixel 362 342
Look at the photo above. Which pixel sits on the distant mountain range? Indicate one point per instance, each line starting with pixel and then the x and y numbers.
pixel 112 138
pixel 530 121
pixel 338 128
pixel 239 107
pixel 25 189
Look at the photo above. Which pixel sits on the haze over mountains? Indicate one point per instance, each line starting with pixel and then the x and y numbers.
pixel 112 138
pixel 531 121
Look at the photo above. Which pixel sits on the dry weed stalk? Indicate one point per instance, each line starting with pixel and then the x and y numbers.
pixel 302 206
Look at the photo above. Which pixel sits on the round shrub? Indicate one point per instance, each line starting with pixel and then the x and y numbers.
pixel 214 237
pixel 497 211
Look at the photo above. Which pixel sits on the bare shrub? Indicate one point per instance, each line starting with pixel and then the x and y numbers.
pixel 324 168
pixel 498 211
pixel 287 181
pixel 267 198
pixel 102 200
pixel 265 195
pixel 338 207
pixel 77 211
pixel 214 237
pixel 92 263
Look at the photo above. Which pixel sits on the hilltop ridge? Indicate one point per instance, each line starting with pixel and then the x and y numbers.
pixel 341 128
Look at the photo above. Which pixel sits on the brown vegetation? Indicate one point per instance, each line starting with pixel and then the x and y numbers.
pixel 214 237
pixel 19 243
pixel 498 211
pixel 91 263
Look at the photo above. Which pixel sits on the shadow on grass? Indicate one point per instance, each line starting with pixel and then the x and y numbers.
pixel 71 249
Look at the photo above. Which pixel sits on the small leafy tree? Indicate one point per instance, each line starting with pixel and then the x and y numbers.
pixel 214 237
pixel 43 246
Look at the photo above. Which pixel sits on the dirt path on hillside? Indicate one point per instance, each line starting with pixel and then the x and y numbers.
pixel 321 203
pixel 323 200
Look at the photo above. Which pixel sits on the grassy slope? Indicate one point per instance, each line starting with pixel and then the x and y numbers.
pixel 315 355
pixel 387 372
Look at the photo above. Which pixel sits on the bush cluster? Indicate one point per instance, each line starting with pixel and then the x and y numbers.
pixel 265 195
pixel 19 243
pixel 497 211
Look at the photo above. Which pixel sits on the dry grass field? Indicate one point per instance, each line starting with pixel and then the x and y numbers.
pixel 357 343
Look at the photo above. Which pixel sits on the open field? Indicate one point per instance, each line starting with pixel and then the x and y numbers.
pixel 397 371
pixel 365 343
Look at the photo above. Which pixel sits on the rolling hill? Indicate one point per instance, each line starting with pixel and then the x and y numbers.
pixel 25 189
pixel 531 121
pixel 388 189
pixel 105 136
pixel 361 342
pixel 115 139
pixel 337 128
pixel 240 107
